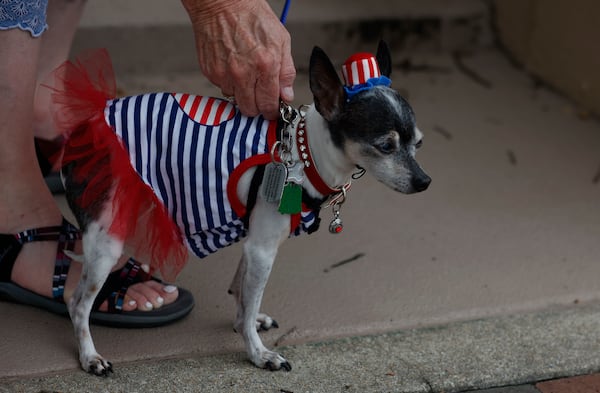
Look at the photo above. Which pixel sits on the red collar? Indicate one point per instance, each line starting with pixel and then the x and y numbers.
pixel 309 165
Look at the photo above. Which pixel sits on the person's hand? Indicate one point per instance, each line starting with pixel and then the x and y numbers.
pixel 245 50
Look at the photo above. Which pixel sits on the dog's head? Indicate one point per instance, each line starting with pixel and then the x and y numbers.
pixel 375 127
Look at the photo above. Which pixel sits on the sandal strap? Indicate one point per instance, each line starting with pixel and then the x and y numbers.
pixel 117 283
pixel 65 234
pixel 66 241
pixel 9 251
pixel 65 231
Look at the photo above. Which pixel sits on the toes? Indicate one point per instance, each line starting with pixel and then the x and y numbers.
pixel 147 296
pixel 271 366
pixel 273 361
pixel 100 367
pixel 151 294
pixel 264 322
pixel 136 294
pixel 266 325
pixel 276 366
pixel 168 292
pixel 129 304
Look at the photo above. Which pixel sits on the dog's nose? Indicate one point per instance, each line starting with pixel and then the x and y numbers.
pixel 420 183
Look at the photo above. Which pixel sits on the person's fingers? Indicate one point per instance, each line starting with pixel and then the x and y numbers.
pixel 244 91
pixel 244 50
pixel 267 88
pixel 287 74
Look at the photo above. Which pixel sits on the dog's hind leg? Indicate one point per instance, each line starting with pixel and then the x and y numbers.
pixel 268 229
pixel 101 253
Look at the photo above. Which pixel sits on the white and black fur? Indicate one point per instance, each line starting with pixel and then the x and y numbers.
pixel 375 130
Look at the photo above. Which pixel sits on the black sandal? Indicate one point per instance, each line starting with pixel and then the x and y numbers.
pixel 113 290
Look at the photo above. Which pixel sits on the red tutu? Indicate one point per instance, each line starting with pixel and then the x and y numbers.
pixel 80 92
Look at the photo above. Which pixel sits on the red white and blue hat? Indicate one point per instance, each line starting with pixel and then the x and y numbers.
pixel 359 68
pixel 361 72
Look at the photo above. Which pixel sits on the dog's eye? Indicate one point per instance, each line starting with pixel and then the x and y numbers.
pixel 385 147
pixel 419 144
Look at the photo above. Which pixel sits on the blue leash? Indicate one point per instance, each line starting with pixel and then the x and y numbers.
pixel 284 13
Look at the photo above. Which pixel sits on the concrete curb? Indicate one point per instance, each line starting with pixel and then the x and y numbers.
pixel 500 351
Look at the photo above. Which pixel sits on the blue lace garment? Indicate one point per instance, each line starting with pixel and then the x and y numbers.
pixel 28 15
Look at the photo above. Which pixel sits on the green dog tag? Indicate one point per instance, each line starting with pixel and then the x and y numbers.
pixel 291 199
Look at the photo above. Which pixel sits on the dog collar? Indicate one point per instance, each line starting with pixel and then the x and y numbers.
pixel 337 196
pixel 309 165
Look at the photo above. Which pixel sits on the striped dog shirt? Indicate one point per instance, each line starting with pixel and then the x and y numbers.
pixel 191 151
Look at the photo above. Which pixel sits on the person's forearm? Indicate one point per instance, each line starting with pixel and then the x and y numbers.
pixel 208 8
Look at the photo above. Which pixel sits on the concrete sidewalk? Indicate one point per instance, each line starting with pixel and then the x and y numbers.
pixel 490 278
pixel 508 226
pixel 456 357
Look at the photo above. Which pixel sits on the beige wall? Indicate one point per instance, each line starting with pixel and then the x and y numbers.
pixel 557 40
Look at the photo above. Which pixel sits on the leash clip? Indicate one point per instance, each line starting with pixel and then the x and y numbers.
pixel 284 147
pixel 287 112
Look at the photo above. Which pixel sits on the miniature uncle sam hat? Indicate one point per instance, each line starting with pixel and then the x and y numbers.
pixel 361 72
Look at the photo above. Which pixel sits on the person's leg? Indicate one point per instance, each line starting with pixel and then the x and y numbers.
pixel 63 18
pixel 25 201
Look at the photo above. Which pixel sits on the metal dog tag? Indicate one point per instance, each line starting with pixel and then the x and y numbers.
pixel 273 181
pixel 296 173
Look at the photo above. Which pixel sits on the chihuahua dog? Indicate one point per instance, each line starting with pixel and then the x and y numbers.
pixel 281 174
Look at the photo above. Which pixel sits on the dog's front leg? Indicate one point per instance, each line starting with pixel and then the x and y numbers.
pixel 268 229
pixel 101 252
pixel 263 321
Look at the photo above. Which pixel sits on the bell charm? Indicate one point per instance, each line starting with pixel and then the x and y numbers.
pixel 336 226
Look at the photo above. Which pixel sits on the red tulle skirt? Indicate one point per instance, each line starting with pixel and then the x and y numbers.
pixel 81 89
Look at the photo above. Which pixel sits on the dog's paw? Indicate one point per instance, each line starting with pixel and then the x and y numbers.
pixel 265 322
pixel 97 366
pixel 273 361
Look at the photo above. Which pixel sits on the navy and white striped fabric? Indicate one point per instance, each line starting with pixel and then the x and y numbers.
pixel 185 147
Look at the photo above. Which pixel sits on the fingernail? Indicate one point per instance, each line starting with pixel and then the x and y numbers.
pixel 287 93
pixel 146 268
pixel 160 300
pixel 149 306
pixel 132 303
pixel 170 288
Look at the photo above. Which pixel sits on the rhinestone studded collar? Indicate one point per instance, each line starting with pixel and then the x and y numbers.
pixel 309 165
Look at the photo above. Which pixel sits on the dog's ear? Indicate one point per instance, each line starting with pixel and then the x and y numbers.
pixel 325 85
pixel 384 59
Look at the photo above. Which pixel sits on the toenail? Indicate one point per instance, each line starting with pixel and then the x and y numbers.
pixel 160 300
pixel 170 288
pixel 149 306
